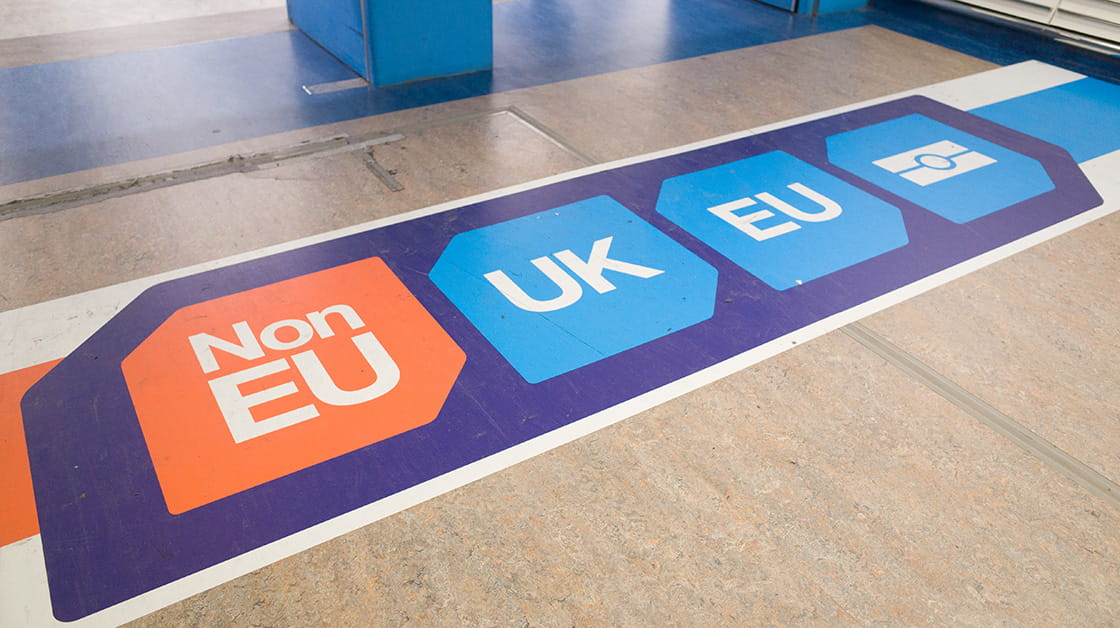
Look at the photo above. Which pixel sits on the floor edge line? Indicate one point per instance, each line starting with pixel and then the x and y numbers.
pixel 1044 450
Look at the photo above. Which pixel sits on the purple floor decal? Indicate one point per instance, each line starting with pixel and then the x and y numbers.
pixel 107 531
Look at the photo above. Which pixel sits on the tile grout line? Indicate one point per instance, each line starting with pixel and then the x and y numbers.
pixel 1041 448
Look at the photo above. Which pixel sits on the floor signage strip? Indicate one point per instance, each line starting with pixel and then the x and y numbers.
pixel 226 411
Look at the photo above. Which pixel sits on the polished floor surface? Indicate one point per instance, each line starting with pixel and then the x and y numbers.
pixel 824 486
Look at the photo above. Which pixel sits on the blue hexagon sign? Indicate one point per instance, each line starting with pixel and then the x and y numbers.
pixel 782 219
pixel 559 289
pixel 951 173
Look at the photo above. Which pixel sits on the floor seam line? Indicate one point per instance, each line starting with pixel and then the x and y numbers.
pixel 384 176
pixel 1009 428
pixel 548 133
pixel 50 202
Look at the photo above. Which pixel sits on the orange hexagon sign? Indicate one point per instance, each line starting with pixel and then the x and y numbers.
pixel 237 391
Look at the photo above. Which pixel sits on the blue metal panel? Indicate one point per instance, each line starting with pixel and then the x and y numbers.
pixel 429 38
pixel 336 25
pixel 788 5
pixel 820 7
pixel 400 42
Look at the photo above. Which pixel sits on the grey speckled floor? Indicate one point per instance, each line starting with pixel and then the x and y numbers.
pixel 821 487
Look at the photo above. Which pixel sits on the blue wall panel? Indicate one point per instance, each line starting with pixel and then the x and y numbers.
pixel 335 25
pixel 429 38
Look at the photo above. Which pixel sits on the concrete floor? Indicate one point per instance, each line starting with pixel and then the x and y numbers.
pixel 821 487
pixel 33 18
